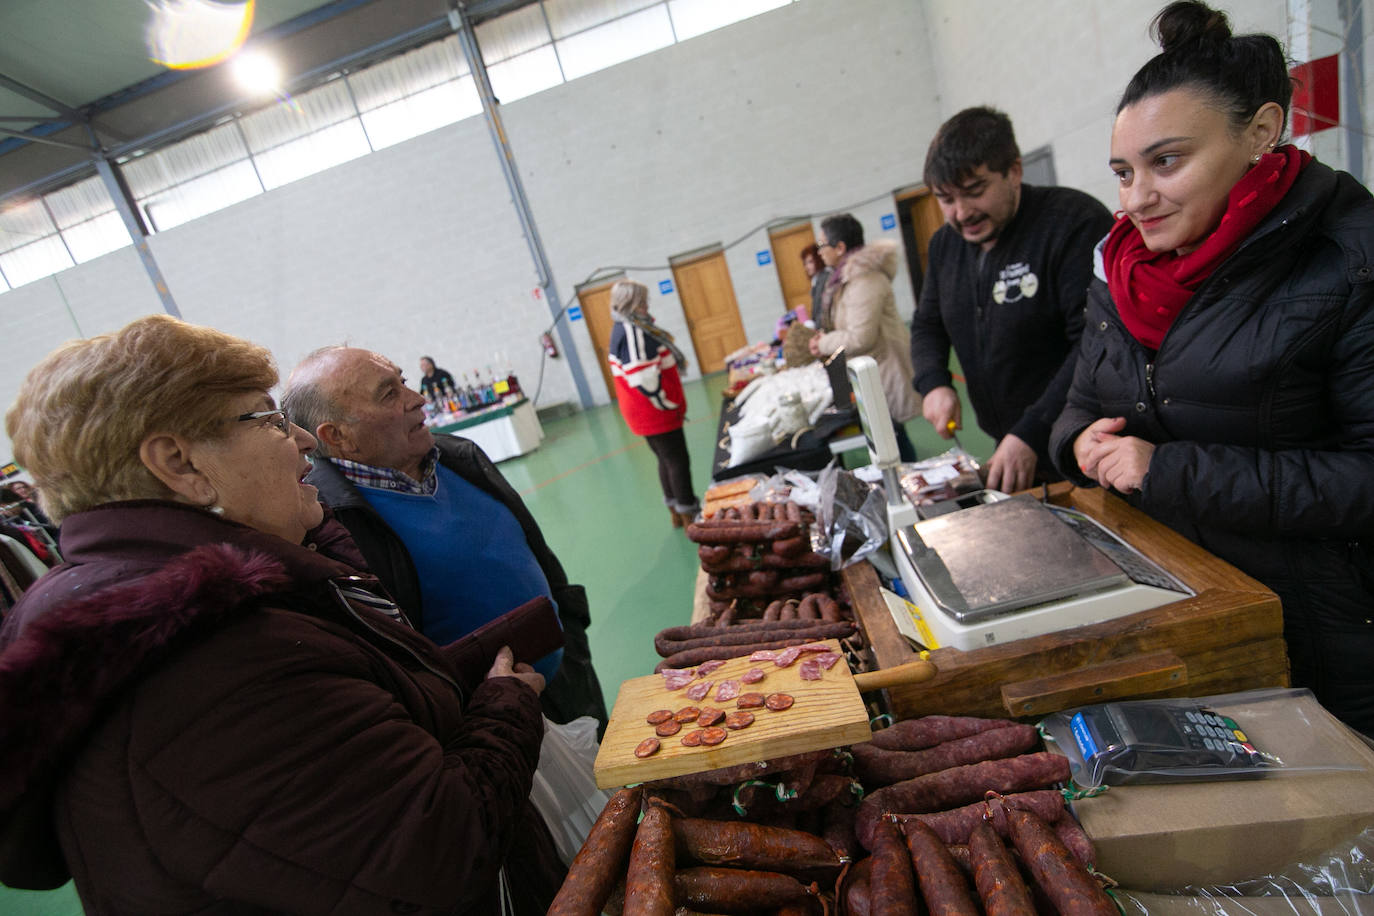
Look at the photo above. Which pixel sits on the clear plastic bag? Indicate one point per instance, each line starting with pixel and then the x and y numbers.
pixel 565 791
pixel 851 518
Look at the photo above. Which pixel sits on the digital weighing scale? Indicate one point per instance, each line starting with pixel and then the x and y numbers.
pixel 1001 570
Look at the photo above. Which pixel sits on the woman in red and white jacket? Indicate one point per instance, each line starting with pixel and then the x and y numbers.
pixel 644 361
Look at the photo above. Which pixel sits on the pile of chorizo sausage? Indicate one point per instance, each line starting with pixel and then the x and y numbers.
pixel 958 818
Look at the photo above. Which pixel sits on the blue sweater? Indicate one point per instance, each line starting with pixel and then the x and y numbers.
pixel 471 556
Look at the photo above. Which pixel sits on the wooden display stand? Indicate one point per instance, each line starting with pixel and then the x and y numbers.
pixel 1228 637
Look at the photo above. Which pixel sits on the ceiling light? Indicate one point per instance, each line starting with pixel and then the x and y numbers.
pixel 257 72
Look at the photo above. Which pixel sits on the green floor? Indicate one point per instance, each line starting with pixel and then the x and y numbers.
pixel 594 489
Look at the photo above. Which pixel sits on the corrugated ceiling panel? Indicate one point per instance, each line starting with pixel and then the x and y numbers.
pixel 412 72
pixel 24 224
pixel 79 202
pixel 321 107
pixel 569 16
pixel 183 161
pixel 514 33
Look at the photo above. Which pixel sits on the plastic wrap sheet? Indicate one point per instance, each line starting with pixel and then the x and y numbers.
pixel 1339 882
pixel 851 518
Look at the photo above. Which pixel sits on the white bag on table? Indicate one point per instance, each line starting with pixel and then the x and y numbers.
pixel 565 791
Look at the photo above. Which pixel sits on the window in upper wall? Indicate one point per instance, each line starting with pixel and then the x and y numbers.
pixel 312 153
pixel 36 260
pixel 696 17
pixel 613 42
pixel 422 112
pixel 199 196
pixel 567 17
pixel 87 219
pixel 524 75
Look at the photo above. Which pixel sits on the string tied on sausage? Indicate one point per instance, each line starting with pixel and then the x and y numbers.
pixel 780 791
pixel 884 719
pixel 1073 792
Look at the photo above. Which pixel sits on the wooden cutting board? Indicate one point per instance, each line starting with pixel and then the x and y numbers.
pixel 827 713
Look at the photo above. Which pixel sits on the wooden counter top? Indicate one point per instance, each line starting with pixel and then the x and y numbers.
pixel 1227 637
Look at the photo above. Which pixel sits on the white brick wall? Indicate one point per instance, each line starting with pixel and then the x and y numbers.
pixel 811 108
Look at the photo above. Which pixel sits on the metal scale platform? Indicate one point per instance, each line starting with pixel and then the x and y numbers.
pixel 1001 570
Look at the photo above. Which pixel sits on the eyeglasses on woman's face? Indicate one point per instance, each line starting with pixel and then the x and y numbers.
pixel 276 417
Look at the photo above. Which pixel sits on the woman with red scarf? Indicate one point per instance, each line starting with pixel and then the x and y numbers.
pixel 1225 381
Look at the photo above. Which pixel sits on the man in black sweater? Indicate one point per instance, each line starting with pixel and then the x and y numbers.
pixel 1006 286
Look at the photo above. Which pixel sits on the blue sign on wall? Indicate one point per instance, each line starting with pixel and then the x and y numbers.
pixel 889 221
pixel 574 313
pixel 665 286
pixel 764 257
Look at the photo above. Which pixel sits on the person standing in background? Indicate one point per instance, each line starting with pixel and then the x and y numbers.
pixel 648 387
pixel 862 314
pixel 1008 277
pixel 434 381
pixel 820 275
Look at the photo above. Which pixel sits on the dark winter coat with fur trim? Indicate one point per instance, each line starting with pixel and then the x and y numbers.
pixel 197 719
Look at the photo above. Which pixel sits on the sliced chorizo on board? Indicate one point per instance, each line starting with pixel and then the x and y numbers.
pixel 602 860
pixel 1064 880
pixel 942 882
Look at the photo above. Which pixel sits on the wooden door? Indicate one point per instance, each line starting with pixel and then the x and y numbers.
pixel 787 243
pixel 708 301
pixel 596 311
pixel 919 214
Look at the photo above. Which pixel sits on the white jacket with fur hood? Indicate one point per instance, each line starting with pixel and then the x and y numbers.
pixel 864 312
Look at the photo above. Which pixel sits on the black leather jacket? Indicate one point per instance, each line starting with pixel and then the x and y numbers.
pixel 1260 402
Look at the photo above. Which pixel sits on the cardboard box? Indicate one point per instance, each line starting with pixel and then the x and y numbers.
pixel 1167 837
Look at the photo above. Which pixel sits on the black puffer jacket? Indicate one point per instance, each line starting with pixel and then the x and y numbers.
pixel 1260 401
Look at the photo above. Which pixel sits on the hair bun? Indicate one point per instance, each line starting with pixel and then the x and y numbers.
pixel 1189 24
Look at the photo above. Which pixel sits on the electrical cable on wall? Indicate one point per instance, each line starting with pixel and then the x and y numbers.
pixel 613 270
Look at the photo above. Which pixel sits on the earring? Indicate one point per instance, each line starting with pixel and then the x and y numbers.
pixel 1254 160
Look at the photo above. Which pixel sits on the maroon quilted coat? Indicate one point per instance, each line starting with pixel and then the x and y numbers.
pixel 193 718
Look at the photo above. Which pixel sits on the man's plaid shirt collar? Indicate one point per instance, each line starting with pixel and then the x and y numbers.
pixel 367 475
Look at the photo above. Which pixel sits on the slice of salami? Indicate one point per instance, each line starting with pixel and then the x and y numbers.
pixel 667 671
pixel 710 716
pixel 647 748
pixel 816 647
pixel 787 656
pixel 706 668
pixel 764 655
pixel 677 681
pixel 752 676
pixel 727 691
pixel 699 690
pixel 827 660
pixel 778 701
pixel 658 715
pixel 713 736
pixel 810 670
pixel 741 719
pixel 686 714
pixel 692 739
pixel 750 701
pixel 667 729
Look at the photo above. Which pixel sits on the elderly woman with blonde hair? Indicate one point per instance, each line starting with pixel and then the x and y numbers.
pixel 645 364
pixel 208 707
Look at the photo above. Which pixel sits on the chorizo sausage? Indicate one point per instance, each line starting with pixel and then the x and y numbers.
pixel 928 731
pixel 829 608
pixel 956 824
pixel 734 890
pixel 879 767
pixel 1073 836
pixel 789 611
pixel 996 876
pixel 739 636
pixel 942 883
pixel 789 547
pixel 1067 883
pixel 802 582
pixel 713 553
pixel 807 610
pixel 687 658
pixel 773 611
pixel 698 631
pixel 960 786
pixel 649 881
pixel 744 845
pixel 601 860
pixel 892 887
pixel 857 888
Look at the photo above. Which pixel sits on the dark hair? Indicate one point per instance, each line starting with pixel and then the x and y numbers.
pixel 973 137
pixel 430 358
pixel 1239 73
pixel 843 228
pixel 811 251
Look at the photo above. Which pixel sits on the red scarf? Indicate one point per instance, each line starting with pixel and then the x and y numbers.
pixel 1151 288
